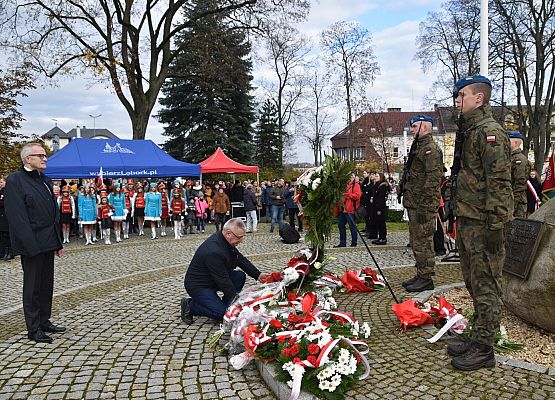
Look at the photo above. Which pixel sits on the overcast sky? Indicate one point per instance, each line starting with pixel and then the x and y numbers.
pixel 394 26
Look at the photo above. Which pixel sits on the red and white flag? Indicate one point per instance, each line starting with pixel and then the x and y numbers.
pixel 548 188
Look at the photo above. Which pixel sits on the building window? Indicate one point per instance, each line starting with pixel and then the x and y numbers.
pixel 395 152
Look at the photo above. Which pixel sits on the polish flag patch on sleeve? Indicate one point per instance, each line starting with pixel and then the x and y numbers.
pixel 490 138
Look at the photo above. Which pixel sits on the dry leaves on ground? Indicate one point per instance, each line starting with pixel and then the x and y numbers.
pixel 539 345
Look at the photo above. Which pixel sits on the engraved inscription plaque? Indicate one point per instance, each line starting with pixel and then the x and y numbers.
pixel 523 238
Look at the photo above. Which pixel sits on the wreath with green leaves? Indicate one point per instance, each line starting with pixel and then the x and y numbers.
pixel 320 192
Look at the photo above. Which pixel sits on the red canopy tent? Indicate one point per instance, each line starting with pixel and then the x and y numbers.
pixel 219 162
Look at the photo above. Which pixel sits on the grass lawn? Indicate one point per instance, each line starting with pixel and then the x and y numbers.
pixel 391 226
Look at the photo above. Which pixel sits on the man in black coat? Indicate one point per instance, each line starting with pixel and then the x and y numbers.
pixel 33 218
pixel 212 269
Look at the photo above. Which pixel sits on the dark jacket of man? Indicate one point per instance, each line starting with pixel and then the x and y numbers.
pixel 276 191
pixel 33 214
pixel 212 263
pixel 249 200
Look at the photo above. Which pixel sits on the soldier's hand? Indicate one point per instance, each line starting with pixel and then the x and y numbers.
pixel 421 216
pixel 494 240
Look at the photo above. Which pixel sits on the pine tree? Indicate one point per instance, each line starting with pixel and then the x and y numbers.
pixel 267 138
pixel 207 99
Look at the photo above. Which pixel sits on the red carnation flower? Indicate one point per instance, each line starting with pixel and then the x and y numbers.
pixel 276 323
pixel 292 340
pixel 313 348
pixel 286 352
pixel 297 360
pixel 311 359
pixel 295 349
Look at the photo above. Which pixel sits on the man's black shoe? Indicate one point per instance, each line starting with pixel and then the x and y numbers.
pixel 420 285
pixel 375 241
pixel 186 313
pixel 39 337
pixel 409 281
pixel 440 253
pixel 50 327
pixel 458 348
pixel 339 245
pixel 381 242
pixel 478 356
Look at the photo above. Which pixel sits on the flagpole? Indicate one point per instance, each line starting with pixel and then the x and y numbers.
pixel 484 46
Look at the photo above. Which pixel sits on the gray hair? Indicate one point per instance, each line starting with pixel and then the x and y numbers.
pixel 27 150
pixel 235 223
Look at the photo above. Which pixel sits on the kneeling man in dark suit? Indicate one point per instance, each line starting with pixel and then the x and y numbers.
pixel 212 269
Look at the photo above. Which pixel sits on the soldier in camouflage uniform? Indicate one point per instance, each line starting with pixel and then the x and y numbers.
pixel 520 171
pixel 421 199
pixel 483 207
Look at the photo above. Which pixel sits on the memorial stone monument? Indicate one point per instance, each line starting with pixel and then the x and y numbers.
pixel 529 279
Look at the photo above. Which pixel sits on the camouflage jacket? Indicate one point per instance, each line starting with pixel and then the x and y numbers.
pixel 426 170
pixel 484 189
pixel 520 170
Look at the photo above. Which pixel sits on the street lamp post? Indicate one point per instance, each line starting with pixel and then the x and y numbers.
pixel 94 117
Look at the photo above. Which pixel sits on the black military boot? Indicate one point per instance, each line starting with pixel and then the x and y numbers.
pixel 409 281
pixel 420 284
pixel 478 356
pixel 458 348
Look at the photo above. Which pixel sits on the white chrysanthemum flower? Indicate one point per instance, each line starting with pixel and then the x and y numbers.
pixel 317 265
pixel 288 366
pixel 366 330
pixel 320 168
pixel 336 380
pixel 324 385
pixel 315 183
pixel 290 384
pixel 343 359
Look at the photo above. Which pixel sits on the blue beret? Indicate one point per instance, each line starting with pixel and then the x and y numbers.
pixel 469 80
pixel 425 118
pixel 152 184
pixel 515 135
pixel 117 184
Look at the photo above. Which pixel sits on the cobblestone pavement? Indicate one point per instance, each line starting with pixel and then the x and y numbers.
pixel 126 340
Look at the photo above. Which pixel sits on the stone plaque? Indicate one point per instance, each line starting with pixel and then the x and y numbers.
pixel 523 238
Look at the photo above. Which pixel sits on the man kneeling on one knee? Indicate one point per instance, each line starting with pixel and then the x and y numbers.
pixel 212 269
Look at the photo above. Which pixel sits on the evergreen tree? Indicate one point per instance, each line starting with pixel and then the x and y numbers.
pixel 267 138
pixel 207 99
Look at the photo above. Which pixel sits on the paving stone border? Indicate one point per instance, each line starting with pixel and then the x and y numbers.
pixel 268 373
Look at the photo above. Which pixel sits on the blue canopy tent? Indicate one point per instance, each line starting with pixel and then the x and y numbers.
pixel 111 158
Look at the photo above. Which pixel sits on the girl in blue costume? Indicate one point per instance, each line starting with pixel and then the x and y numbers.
pixel 117 199
pixel 153 207
pixel 86 204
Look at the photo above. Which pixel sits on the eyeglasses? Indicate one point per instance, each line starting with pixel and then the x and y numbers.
pixel 237 237
pixel 41 156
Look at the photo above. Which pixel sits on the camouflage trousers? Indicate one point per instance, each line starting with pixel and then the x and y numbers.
pixel 482 272
pixel 421 243
pixel 521 210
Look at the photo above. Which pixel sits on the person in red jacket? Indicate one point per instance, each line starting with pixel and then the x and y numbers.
pixel 346 212
pixel 176 209
pixel 105 211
